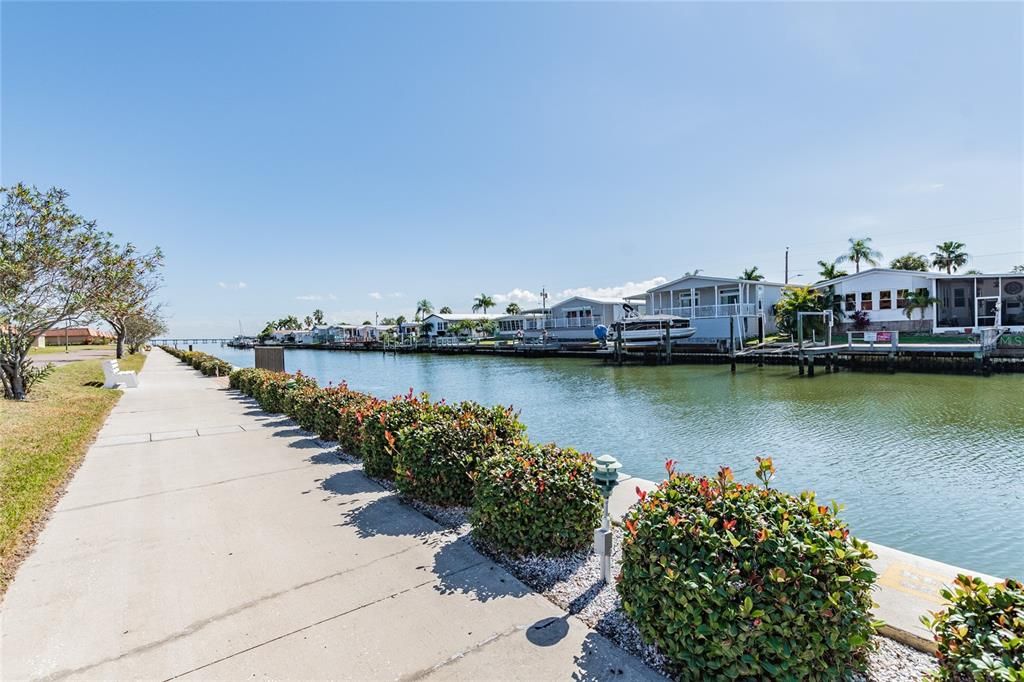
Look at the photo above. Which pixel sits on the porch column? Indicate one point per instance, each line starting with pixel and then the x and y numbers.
pixel 716 301
pixel 693 302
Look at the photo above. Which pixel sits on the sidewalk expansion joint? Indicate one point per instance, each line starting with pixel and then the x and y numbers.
pixel 199 625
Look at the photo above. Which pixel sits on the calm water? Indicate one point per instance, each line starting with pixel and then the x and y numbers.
pixel 930 464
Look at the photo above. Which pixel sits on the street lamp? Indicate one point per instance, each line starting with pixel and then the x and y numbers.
pixel 606 475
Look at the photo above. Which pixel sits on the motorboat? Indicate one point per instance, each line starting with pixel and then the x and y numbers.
pixel 648 331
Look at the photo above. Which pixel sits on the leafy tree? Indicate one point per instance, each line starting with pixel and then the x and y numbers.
pixel 830 270
pixel 752 274
pixel 949 256
pixel 388 321
pixel 423 308
pixel 129 279
pixel 483 301
pixel 318 317
pixel 400 319
pixel 919 300
pixel 794 300
pixel 290 322
pixel 141 328
pixel 860 251
pixel 445 310
pixel 1017 268
pixel 50 265
pixel 307 322
pixel 693 274
pixel 367 322
pixel 513 309
pixel 973 272
pixel 911 261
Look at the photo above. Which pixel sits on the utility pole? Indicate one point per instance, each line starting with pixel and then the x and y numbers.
pixel 786 281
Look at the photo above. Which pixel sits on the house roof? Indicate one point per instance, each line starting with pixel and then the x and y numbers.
pixel 454 317
pixel 710 278
pixel 77 331
pixel 876 271
pixel 602 300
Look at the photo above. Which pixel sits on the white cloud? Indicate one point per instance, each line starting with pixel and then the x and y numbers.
pixel 317 297
pixel 375 295
pixel 618 291
pixel 396 294
pixel 232 285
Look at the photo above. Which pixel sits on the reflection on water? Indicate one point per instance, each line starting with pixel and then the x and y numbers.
pixel 931 464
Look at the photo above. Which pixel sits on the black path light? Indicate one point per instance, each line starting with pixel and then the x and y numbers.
pixel 606 475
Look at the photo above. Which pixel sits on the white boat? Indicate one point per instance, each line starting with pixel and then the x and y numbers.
pixel 648 331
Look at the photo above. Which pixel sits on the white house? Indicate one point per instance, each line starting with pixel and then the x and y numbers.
pixel 964 302
pixel 438 324
pixel 571 320
pixel 711 302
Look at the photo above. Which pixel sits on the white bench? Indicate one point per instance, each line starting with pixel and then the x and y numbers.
pixel 114 376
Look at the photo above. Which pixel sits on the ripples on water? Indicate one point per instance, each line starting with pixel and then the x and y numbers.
pixel 931 464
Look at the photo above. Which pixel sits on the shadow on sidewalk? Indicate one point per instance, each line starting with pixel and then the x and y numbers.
pixel 460 569
pixel 384 515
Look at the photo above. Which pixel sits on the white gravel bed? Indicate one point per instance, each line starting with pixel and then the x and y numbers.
pixel 573 583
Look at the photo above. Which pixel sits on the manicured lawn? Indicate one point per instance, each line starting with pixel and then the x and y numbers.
pixel 42 440
pixel 60 349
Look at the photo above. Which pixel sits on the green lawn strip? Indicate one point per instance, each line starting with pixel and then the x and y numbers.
pixel 42 440
pixel 36 350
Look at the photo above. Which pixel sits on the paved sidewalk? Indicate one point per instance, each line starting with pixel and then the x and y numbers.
pixel 204 538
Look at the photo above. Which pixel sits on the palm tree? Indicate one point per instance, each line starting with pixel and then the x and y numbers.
pixel 1017 268
pixel 949 255
pixel 752 274
pixel 910 261
pixel 830 270
pixel 424 307
pixel 308 321
pixel 445 310
pixel 513 309
pixel 794 300
pixel 860 250
pixel 919 300
pixel 483 301
pixel 318 316
pixel 696 272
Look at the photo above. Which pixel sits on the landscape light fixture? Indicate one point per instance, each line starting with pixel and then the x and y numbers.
pixel 606 475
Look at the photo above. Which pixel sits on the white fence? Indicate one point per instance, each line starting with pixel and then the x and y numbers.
pixel 705 311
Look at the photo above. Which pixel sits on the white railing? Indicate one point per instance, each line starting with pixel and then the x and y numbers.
pixel 562 323
pixel 704 311
pixel 885 339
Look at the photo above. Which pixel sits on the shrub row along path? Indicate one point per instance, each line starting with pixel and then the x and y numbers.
pixel 205 538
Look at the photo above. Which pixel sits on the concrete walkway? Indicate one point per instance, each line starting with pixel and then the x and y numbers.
pixel 204 538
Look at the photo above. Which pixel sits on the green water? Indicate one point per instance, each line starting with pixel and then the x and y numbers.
pixel 931 464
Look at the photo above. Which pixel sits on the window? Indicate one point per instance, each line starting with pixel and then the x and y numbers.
pixel 885 299
pixel 729 296
pixel 959 297
pixel 686 301
pixel 851 302
pixel 901 298
pixel 865 301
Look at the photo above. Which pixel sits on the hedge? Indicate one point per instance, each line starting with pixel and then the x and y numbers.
pixel 980 635
pixel 734 581
pixel 532 496
pixel 209 365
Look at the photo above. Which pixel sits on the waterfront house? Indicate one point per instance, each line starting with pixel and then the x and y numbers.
pixel 965 302
pixel 571 320
pixel 711 302
pixel 440 324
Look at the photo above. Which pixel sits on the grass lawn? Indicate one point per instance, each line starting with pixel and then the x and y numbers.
pixel 42 440
pixel 35 350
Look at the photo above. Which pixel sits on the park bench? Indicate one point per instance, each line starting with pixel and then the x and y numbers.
pixel 114 376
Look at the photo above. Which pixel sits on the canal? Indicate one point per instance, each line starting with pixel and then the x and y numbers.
pixel 930 464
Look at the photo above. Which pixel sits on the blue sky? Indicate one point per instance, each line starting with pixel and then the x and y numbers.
pixel 358 157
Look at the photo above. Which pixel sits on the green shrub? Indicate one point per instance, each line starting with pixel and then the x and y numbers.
pixel 379 434
pixel 241 379
pixel 301 404
pixel 980 635
pixel 534 499
pixel 436 459
pixel 737 581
